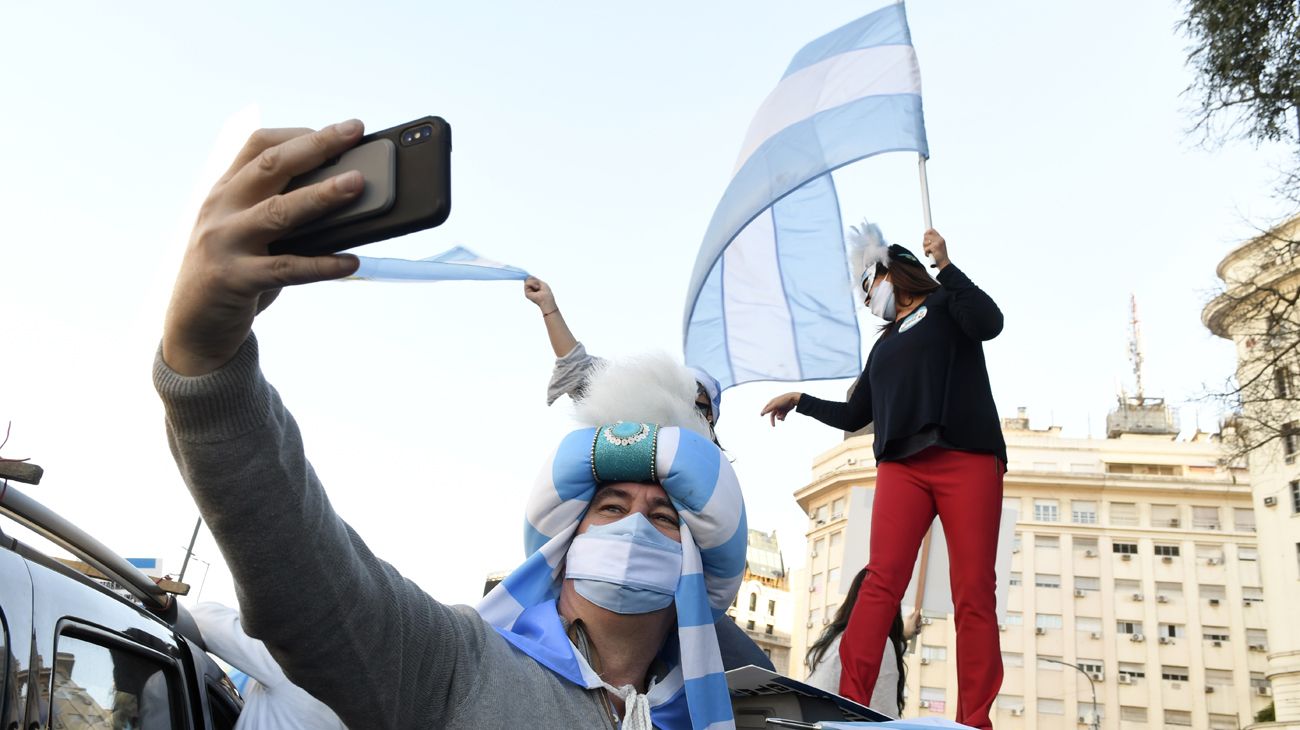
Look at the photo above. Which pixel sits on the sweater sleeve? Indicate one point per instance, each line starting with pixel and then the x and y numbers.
pixel 342 624
pixel 973 310
pixel 570 374
pixel 846 416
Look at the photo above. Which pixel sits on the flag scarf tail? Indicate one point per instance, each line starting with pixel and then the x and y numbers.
pixel 770 297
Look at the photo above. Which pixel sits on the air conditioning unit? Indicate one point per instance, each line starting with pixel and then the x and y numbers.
pixel 826 620
pixel 1017 712
pixel 1174 522
pixel 1125 679
pixel 1214 561
pixel 1216 643
pixel 1137 638
pixel 1264 691
pixel 925 704
pixel 1258 647
pixel 1209 689
pixel 1270 501
pixel 812 589
pixel 1089 553
pixel 810 624
pixel 1040 631
pixel 1214 526
pixel 1097 676
pixel 1166 640
pixel 1162 599
pixel 1175 685
pixel 851 461
pixel 1137 597
pixel 926 620
pixel 812 553
pixel 1002 627
pixel 1079 593
pixel 1214 601
pixel 925 660
pixel 837 516
pixel 1096 634
pixel 1167 559
pixel 1126 557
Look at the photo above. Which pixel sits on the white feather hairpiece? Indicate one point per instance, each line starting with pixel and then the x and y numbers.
pixel 647 388
pixel 867 247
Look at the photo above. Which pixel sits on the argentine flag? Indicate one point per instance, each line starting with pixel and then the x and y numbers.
pixel 770 296
pixel 454 264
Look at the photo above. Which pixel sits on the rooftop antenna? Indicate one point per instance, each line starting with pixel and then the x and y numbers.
pixel 1135 346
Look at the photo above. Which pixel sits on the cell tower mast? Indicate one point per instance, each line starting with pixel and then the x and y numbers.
pixel 1135 346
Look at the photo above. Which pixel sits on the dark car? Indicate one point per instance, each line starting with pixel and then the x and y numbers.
pixel 74 653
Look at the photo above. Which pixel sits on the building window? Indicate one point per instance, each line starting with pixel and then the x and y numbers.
pixel 1209 554
pixel 1046 510
pixel 1282 381
pixel 934 698
pixel 1046 580
pixel 833 579
pixel 1252 594
pixel 753 601
pixel 819 547
pixel 1083 513
pixel 1047 621
pixel 1011 702
pixel 1091 666
pixel 819 515
pixel 1167 551
pixel 816 585
pixel 1085 546
pixel 815 619
pixel 1249 554
pixel 1243 520
pixel 1050 663
pixel 1132 671
pixel 1165 515
pixel 1295 497
pixel 1017 540
pixel 1215 633
pixel 1128 627
pixel 1128 713
pixel 768 630
pixel 1015 578
pixel 1051 707
pixel 1172 631
pixel 1015 618
pixel 1178 718
pixel 1124 548
pixel 934 653
pixel 1087 583
pixel 837 509
pixel 1224 722
pixel 1013 659
pixel 1173 674
pixel 1290 440
pixel 1205 518
pixel 1258 680
pixel 749 625
pixel 1123 514
pixel 837 537
pixel 771 608
pixel 1166 592
pixel 1088 625
pixel 1047 542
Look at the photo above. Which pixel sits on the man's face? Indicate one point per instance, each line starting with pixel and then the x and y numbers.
pixel 615 501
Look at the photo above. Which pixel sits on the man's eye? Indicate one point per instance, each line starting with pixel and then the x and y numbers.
pixel 668 519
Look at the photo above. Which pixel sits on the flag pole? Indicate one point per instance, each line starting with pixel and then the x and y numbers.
pixel 925 197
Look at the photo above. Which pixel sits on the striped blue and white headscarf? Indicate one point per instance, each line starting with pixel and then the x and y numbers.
pixel 706 494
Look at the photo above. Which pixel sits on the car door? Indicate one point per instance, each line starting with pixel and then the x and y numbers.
pixel 16 681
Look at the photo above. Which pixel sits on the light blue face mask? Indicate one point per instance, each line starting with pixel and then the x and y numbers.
pixel 627 567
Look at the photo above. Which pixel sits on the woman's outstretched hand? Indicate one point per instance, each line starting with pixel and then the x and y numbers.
pixel 778 407
pixel 935 247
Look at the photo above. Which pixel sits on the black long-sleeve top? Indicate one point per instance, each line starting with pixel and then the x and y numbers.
pixel 925 382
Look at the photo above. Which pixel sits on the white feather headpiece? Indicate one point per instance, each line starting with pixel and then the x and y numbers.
pixel 648 388
pixel 867 247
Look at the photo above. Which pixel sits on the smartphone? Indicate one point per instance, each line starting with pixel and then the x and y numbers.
pixel 407 170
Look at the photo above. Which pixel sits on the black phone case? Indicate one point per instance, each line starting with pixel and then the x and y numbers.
pixel 423 196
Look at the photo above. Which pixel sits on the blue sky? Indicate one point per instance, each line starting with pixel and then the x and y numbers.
pixel 592 141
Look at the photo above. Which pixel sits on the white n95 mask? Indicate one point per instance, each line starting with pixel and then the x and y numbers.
pixel 627 567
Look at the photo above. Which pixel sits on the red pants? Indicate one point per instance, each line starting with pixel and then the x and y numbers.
pixel 965 490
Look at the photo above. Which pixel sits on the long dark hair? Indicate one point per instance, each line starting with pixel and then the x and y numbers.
pixel 817 651
pixel 910 280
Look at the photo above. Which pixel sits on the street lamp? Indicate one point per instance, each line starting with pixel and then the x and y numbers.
pixel 1096 714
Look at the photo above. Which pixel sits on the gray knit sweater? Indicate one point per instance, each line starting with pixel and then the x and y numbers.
pixel 344 625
